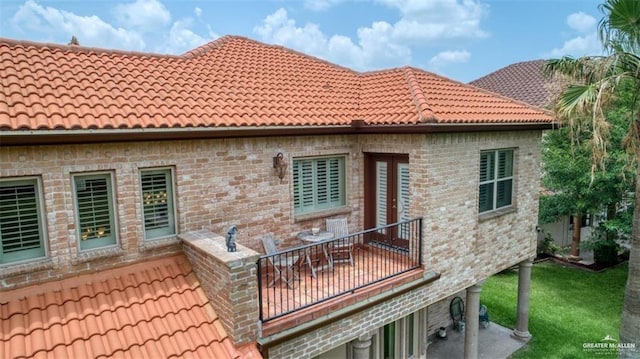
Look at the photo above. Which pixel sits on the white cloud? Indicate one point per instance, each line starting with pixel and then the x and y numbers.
pixel 438 20
pixel 382 43
pixel 378 45
pixel 182 39
pixel 278 28
pixel 197 11
pixel 54 25
pixel 581 22
pixel 374 42
pixel 585 39
pixel 320 5
pixel 450 57
pixel 578 46
pixel 145 15
pixel 58 25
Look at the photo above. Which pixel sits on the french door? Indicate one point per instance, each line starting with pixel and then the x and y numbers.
pixel 387 196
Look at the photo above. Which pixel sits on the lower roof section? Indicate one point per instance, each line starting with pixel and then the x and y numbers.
pixel 154 309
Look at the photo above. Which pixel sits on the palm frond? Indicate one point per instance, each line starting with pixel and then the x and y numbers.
pixel 620 25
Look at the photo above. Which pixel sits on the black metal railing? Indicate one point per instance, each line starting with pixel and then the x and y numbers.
pixel 300 277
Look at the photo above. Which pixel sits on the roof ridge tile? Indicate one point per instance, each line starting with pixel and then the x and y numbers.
pixel 84 49
pixel 425 114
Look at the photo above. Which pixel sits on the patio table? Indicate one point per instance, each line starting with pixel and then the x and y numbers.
pixel 309 238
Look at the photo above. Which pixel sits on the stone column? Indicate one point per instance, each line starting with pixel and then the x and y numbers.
pixel 472 312
pixel 362 347
pixel 524 283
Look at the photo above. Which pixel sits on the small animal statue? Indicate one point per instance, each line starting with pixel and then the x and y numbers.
pixel 232 234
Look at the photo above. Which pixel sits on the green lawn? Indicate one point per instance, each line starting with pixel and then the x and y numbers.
pixel 568 307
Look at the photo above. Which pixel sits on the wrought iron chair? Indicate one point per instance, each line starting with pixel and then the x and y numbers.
pixel 283 264
pixel 342 248
pixel 456 309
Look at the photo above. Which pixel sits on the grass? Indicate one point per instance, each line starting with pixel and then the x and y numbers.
pixel 567 308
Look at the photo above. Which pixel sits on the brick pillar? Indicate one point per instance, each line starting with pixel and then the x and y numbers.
pixel 229 279
pixel 524 283
pixel 472 321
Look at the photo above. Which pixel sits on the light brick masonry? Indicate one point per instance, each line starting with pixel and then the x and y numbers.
pixel 229 279
pixel 220 182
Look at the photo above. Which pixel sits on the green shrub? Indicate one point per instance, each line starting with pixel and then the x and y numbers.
pixel 548 245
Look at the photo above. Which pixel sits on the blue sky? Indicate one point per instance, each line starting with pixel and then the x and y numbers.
pixel 460 39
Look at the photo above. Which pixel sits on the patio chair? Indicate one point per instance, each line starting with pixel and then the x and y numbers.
pixel 483 316
pixel 283 264
pixel 342 249
pixel 456 309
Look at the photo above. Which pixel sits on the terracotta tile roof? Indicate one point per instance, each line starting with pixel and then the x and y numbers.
pixel 522 81
pixel 230 82
pixel 148 310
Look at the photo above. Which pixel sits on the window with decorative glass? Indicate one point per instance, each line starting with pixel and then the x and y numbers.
pixel 156 186
pixel 318 183
pixel 496 180
pixel 95 210
pixel 21 220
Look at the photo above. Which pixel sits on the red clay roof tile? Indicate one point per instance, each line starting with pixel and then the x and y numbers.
pixel 153 309
pixel 230 82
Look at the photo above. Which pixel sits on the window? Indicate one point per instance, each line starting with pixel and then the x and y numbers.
pixel 496 180
pixel 401 338
pixel 95 214
pixel 585 221
pixel 21 225
pixel 157 203
pixel 318 184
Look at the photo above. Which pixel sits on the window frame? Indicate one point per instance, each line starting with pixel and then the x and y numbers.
pixel 299 188
pixel 42 251
pixel 414 325
pixel 100 241
pixel 172 227
pixel 496 179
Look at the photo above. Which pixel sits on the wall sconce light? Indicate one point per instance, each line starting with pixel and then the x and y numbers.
pixel 280 165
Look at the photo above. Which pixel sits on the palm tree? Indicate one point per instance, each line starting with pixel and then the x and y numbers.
pixel 598 79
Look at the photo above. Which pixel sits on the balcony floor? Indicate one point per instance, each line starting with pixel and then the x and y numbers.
pixel 370 265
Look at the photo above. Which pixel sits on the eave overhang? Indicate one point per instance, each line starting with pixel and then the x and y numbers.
pixel 59 137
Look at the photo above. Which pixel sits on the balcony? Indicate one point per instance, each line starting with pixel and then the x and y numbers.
pixel 315 275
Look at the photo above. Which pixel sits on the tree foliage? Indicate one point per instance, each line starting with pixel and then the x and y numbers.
pixel 574 186
pixel 596 81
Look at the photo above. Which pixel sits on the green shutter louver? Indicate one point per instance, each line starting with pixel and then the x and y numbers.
pixel 20 222
pixel 505 164
pixel 381 194
pixel 322 183
pixel 94 202
pixel 318 183
pixel 157 203
pixel 336 189
pixel 496 180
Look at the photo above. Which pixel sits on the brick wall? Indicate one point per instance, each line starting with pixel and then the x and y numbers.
pixel 231 181
pixel 363 323
pixel 461 245
pixel 229 279
pixel 440 314
pixel 217 183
